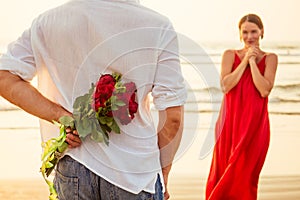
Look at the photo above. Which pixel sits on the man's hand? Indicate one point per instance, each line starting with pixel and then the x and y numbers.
pixel 73 138
pixel 165 172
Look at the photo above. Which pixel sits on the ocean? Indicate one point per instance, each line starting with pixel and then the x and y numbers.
pixel 201 68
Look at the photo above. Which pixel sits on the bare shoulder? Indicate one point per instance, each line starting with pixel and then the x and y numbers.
pixel 271 57
pixel 229 54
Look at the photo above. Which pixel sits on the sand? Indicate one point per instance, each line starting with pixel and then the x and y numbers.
pixel 280 178
pixel 181 188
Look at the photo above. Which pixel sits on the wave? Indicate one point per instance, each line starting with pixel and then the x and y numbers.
pixel 217 90
pixel 293 86
pixel 196 61
pixel 283 113
pixel 282 100
pixel 272 100
pixel 6 106
pixel 217 111
pixel 206 58
pixel 213 90
pixel 201 107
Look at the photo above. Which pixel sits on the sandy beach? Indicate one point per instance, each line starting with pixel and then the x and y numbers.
pixel 280 178
pixel 181 188
pixel 201 45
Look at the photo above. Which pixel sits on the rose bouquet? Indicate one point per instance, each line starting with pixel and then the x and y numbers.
pixel 108 103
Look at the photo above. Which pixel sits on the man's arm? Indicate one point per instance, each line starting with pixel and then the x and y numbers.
pixel 169 136
pixel 28 98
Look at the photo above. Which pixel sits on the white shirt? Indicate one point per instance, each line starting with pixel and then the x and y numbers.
pixel 68 48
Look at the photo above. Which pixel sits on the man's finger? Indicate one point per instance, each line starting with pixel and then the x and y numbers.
pixel 73 140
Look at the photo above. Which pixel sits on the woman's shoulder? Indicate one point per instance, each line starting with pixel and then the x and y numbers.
pixel 229 53
pixel 271 56
pixel 271 59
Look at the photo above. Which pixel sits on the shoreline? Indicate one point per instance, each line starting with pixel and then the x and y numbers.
pixel 20 149
pixel 180 188
pixel 21 130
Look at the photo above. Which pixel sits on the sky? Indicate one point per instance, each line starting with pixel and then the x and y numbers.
pixel 211 20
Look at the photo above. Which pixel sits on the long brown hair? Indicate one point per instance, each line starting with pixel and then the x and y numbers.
pixel 253 18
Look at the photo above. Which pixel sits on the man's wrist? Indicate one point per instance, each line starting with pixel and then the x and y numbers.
pixel 60 111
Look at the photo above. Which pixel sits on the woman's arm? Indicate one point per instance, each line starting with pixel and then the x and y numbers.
pixel 264 83
pixel 229 78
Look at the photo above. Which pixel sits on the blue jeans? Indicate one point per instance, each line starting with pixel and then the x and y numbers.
pixel 73 181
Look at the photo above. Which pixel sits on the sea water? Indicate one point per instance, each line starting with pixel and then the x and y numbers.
pixel 201 68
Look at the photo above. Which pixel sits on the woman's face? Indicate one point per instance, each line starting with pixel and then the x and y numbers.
pixel 250 34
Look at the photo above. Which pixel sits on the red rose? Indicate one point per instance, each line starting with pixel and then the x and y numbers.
pixel 109 114
pixel 130 87
pixel 106 79
pixel 96 105
pixel 133 106
pixel 132 98
pixel 125 97
pixel 128 94
pixel 104 90
pixel 122 115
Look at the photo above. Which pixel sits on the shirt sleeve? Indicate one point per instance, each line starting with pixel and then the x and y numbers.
pixel 19 58
pixel 169 88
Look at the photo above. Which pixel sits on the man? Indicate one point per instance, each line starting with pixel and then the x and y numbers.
pixel 68 48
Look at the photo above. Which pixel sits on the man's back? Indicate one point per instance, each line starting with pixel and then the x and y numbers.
pixel 70 46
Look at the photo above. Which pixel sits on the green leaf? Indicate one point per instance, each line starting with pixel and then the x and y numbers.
pixel 63 147
pixel 114 107
pixel 86 124
pixel 106 139
pixel 91 112
pixel 115 127
pixel 117 76
pixel 113 99
pixel 105 128
pixel 49 165
pixel 92 89
pixel 67 121
pixel 109 124
pixel 81 130
pixel 119 103
pixel 76 116
pixel 78 102
pixel 109 119
pixel 97 136
pixel 82 103
pixel 102 120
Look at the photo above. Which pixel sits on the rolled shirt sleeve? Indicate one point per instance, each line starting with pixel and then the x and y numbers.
pixel 19 58
pixel 65 47
pixel 169 88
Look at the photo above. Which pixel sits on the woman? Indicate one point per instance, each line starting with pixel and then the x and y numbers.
pixel 242 130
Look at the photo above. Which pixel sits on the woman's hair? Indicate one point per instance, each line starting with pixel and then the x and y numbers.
pixel 253 18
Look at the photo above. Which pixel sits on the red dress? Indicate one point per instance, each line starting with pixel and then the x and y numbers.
pixel 243 135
